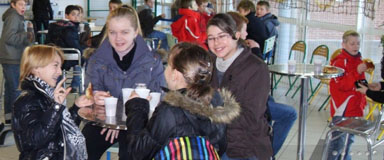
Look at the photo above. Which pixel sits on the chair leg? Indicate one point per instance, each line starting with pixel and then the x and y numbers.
pixel 326 145
pixel 371 110
pixel 369 147
pixel 291 85
pixel 315 94
pixel 294 94
pixel 344 153
pixel 325 102
pixel 276 81
pixel 380 135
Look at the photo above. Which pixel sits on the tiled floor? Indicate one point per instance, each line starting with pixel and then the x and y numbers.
pixel 316 130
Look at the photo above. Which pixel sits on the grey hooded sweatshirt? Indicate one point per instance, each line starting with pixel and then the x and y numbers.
pixel 14 39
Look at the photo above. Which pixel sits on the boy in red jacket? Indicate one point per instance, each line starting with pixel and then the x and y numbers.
pixel 187 28
pixel 346 101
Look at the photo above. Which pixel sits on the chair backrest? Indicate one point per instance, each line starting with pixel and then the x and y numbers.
pixel 335 53
pixel 72 54
pixel 300 48
pixel 268 44
pixel 322 51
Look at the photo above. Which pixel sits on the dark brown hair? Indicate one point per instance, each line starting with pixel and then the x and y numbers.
pixel 246 5
pixel 263 3
pixel 186 3
pixel 239 19
pixel 200 2
pixel 115 2
pixel 195 64
pixel 225 23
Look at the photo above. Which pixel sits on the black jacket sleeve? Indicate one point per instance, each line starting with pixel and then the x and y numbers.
pixel 146 143
pixel 377 96
pixel 147 21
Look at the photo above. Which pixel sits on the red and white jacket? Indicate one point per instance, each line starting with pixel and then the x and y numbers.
pixel 346 101
pixel 187 28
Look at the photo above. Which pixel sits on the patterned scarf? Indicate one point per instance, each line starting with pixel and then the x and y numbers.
pixel 74 140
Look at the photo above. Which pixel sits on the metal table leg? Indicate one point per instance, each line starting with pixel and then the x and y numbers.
pixel 302 117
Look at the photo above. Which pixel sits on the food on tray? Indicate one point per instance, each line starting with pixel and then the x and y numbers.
pixel 369 64
pixel 329 69
pixel 88 91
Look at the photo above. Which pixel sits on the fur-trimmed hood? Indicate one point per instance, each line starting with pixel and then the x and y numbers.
pixel 219 114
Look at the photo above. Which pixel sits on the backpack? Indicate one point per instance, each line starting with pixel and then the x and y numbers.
pixel 188 147
pixel 191 148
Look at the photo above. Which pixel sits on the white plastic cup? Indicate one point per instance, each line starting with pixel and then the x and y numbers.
pixel 318 63
pixel 126 94
pixel 110 106
pixel 81 26
pixel 110 120
pixel 142 92
pixel 155 99
pixel 291 66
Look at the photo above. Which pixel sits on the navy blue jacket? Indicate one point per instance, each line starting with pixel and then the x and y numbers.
pixel 256 30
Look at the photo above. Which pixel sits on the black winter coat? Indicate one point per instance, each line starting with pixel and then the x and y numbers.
pixel 42 10
pixel 173 118
pixel 36 124
pixel 147 21
pixel 256 30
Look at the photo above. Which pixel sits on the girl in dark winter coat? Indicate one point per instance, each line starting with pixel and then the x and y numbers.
pixel 190 102
pixel 43 127
pixel 247 77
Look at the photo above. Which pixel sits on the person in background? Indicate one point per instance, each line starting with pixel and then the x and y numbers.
pixel 282 116
pixel 346 100
pixel 122 60
pixel 85 32
pixel 14 39
pixel 205 14
pixel 255 28
pixel 187 28
pixel 42 125
pixel 65 34
pixel 96 40
pixel 270 21
pixel 42 13
pixel 190 103
pixel 247 77
pixel 148 22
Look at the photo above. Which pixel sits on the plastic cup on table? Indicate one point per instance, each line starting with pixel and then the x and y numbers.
pixel 291 66
pixel 110 106
pixel 318 63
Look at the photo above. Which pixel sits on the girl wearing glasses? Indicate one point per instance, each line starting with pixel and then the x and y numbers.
pixel 246 76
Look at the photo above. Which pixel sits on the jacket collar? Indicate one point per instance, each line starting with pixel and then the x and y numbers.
pixel 188 12
pixel 220 114
pixel 106 48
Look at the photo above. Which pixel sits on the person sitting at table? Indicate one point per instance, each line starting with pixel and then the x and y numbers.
pixel 43 127
pixel 96 40
pixel 65 34
pixel 247 77
pixel 121 61
pixel 282 116
pixel 190 103
pixel 148 22
pixel 346 100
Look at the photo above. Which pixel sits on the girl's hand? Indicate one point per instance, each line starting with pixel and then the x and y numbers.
pixel 362 67
pixel 60 93
pixel 374 86
pixel 99 97
pixel 113 133
pixel 83 101
pixel 363 89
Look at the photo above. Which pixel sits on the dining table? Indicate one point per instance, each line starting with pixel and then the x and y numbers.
pixel 304 72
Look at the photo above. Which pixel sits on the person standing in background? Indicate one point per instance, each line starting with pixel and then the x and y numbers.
pixel 14 39
pixel 42 13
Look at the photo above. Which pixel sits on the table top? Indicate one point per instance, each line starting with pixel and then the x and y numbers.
pixel 116 122
pixel 96 28
pixel 307 70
